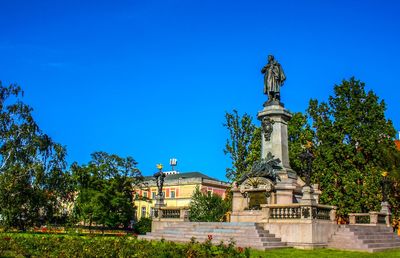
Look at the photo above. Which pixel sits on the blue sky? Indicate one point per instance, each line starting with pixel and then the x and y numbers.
pixel 153 79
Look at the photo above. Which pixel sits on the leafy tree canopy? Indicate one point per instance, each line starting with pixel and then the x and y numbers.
pixel 243 145
pixel 33 182
pixel 207 207
pixel 351 145
pixel 104 188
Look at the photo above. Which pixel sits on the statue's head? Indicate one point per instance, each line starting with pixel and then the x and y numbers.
pixel 270 58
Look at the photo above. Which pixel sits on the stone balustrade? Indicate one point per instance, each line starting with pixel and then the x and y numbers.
pixel 178 214
pixel 372 218
pixel 298 211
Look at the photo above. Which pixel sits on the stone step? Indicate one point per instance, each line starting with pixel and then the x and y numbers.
pixel 373 241
pixel 243 230
pixel 214 240
pixel 366 238
pixel 219 237
pixel 369 229
pixel 380 249
pixel 215 224
pixel 206 233
pixel 243 234
pixel 242 243
pixel 226 231
pixel 347 245
pixel 384 244
pixel 379 236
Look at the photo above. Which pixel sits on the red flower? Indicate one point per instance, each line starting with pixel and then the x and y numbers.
pixel 240 249
pixel 210 237
pixel 7 238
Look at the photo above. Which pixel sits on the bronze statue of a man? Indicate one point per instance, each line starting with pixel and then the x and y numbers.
pixel 274 78
pixel 159 176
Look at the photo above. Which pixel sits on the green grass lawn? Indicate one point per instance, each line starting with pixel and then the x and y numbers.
pixel 319 253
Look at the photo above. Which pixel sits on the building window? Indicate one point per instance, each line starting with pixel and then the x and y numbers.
pixel 163 194
pixel 145 194
pixel 153 195
pixel 172 194
pixel 143 211
pixel 151 212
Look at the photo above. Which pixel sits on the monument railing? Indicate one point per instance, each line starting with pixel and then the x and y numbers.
pixel 371 218
pixel 298 211
pixel 181 213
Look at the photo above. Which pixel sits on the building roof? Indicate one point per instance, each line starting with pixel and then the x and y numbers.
pixel 397 143
pixel 183 175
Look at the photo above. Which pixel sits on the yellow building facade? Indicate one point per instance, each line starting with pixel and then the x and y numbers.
pixel 178 190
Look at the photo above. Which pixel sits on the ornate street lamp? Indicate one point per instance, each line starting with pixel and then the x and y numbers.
pixel 384 183
pixel 307 158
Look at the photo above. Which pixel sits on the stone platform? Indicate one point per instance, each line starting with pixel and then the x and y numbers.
pixel 244 234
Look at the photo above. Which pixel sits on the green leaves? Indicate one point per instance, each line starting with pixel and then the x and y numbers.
pixel 105 188
pixel 207 207
pixel 32 166
pixel 243 145
pixel 351 135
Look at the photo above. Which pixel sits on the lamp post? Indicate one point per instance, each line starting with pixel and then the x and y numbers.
pixel 307 158
pixel 385 208
pixel 384 183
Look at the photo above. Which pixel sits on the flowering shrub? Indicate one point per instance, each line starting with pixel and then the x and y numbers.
pixel 42 245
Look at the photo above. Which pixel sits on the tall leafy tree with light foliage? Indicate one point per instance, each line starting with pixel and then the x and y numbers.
pixel 243 145
pixel 352 136
pixel 33 181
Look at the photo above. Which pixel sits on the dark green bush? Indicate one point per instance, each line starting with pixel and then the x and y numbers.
pixel 143 226
pixel 45 245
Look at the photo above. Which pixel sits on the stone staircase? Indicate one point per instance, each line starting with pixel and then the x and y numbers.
pixel 364 238
pixel 244 234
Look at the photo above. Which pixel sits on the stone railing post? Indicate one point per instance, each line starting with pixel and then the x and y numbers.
pixel 373 217
pixel 184 214
pixel 266 212
pixel 352 218
pixel 332 215
pixel 388 219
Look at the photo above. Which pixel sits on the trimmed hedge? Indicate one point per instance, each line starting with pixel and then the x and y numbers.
pixel 45 245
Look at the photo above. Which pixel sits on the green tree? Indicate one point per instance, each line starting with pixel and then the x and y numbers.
pixel 351 137
pixel 105 188
pixel 33 183
pixel 207 207
pixel 243 145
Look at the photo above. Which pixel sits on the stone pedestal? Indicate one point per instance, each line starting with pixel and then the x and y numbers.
pixel 159 204
pixel 308 197
pixel 316 192
pixel 284 192
pixel 274 119
pixel 385 208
